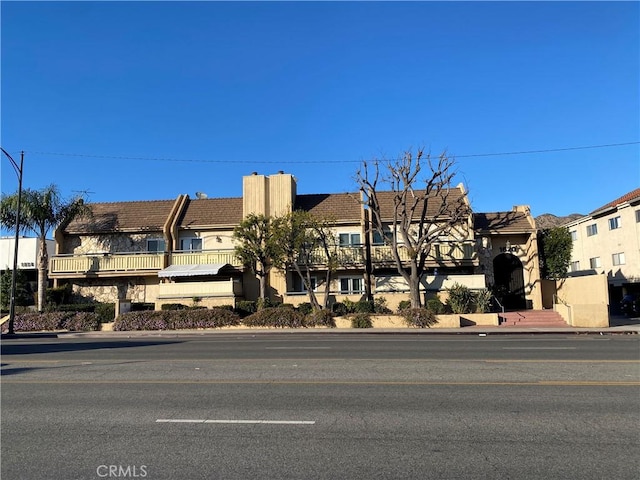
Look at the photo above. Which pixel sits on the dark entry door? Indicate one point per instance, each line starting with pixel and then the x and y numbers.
pixel 509 278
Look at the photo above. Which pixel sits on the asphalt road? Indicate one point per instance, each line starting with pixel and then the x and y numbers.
pixel 314 406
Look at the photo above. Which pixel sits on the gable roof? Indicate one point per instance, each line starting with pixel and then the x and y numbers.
pixel 123 217
pixel 211 212
pixel 340 207
pixel 631 197
pixel 503 222
pixel 454 197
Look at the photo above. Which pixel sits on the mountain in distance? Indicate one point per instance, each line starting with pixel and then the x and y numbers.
pixel 548 220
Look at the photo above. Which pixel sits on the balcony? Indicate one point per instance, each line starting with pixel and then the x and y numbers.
pixel 61 266
pixel 381 255
pixel 144 263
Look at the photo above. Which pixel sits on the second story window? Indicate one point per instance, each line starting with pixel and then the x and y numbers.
pixel 637 216
pixel 349 239
pixel 574 267
pixel 191 244
pixel 592 230
pixel 614 223
pixel 618 258
pixel 594 262
pixel 155 245
pixel 574 235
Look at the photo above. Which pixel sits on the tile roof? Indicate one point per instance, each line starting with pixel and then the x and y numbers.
pixel 123 216
pixel 454 196
pixel 339 207
pixel 211 212
pixel 629 197
pixel 503 221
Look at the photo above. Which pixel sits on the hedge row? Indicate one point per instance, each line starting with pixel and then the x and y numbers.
pixel 176 319
pixel 75 321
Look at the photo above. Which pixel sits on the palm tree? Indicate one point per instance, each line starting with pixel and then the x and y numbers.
pixel 41 211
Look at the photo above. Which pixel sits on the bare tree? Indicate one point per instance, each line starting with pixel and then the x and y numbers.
pixel 307 241
pixel 411 211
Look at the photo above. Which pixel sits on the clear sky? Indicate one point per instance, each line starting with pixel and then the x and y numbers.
pixel 100 95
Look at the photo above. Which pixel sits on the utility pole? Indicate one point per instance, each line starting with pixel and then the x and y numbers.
pixel 12 305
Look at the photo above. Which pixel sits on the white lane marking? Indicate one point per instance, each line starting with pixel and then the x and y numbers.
pixel 538 348
pixel 264 422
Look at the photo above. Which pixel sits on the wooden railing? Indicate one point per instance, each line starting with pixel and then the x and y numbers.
pixel 98 263
pixel 204 257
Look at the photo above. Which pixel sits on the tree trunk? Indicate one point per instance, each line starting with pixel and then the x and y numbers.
pixel 43 260
pixel 414 288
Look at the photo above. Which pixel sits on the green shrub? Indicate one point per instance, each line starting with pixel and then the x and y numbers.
pixel 403 305
pixel 361 320
pixel 349 305
pixel 173 306
pixel 275 317
pixel 24 295
pixel 264 303
pixel 460 299
pixel 482 300
pixel 339 309
pixel 141 307
pixel 82 322
pixel 72 307
pixel 226 307
pixel 246 307
pixel 305 308
pixel 320 318
pixel 380 305
pixel 105 312
pixel 364 306
pixel 58 295
pixel 435 305
pixel 284 305
pixel 419 317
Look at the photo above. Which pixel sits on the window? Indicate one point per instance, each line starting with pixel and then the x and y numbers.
pixel 298 284
pixel 379 240
pixel 618 258
pixel 574 235
pixel 467 248
pixel 574 267
pixel 351 285
pixel 155 245
pixel 592 230
pixel 436 251
pixel 349 239
pixel 594 262
pixel 191 244
pixel 614 223
pixel 637 216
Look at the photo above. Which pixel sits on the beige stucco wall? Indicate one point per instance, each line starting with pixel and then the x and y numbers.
pixel 111 243
pixel 109 290
pixel 584 301
pixel 606 242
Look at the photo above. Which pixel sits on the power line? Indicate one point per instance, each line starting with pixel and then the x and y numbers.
pixel 183 160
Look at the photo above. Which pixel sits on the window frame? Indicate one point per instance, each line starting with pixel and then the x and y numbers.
pixel 594 262
pixel 350 239
pixel 614 223
pixel 190 240
pixel 574 235
pixel 351 289
pixel 159 242
pixel 592 229
pixel 618 259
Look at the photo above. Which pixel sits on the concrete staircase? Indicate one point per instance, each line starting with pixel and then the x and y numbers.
pixel 532 318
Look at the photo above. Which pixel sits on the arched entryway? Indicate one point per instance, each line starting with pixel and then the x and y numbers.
pixel 509 281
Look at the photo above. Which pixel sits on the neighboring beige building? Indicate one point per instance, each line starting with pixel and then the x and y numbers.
pixel 175 251
pixel 607 241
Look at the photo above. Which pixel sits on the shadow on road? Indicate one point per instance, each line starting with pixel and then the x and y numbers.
pixel 622 320
pixel 55 347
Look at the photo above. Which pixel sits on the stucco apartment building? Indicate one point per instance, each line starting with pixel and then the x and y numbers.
pixel 607 241
pixel 172 251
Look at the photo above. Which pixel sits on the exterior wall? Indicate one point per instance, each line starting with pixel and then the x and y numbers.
pixel 211 239
pixel 112 243
pixel 606 243
pixel 272 195
pixel 583 301
pixel 110 290
pixel 28 249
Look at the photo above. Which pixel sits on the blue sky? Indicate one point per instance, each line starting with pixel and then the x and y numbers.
pixel 100 94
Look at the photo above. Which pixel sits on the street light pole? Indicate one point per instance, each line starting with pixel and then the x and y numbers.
pixel 12 306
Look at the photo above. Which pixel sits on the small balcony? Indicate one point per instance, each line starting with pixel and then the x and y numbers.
pixel 65 266
pixel 225 288
pixel 204 257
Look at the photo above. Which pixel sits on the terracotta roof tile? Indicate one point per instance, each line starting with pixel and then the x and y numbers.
pixel 123 216
pixel 454 196
pixel 211 212
pixel 502 221
pixel 628 197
